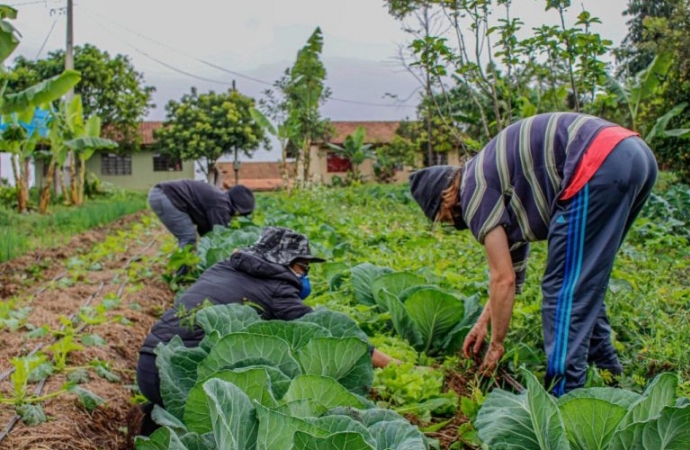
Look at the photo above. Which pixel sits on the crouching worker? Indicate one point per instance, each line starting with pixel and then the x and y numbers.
pixel 273 274
pixel 188 207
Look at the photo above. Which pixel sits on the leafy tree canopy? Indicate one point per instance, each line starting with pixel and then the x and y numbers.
pixel 210 125
pixel 110 87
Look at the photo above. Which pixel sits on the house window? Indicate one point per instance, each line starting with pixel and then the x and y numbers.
pixel 114 164
pixel 336 163
pixel 437 159
pixel 166 163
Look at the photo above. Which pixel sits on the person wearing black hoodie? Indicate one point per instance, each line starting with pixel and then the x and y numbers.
pixel 188 207
pixel 272 273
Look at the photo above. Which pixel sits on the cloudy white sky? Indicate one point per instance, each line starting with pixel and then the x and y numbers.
pixel 259 39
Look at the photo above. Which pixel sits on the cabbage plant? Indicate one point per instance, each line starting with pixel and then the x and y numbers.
pixel 587 419
pixel 254 384
pixel 432 320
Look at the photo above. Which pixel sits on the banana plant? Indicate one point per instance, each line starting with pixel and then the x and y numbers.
pixel 82 139
pixel 355 150
pixel 642 86
pixel 20 140
pixel 18 109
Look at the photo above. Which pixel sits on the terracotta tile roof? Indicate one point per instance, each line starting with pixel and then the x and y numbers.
pixel 378 132
pixel 146 131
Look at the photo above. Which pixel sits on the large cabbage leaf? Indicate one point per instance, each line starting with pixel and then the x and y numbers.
pixel 338 324
pixel 530 420
pixel 296 334
pixel 397 435
pixel 325 390
pixel 435 313
pixel 177 368
pixel 592 415
pixel 395 283
pixel 226 319
pixel 668 431
pixel 233 416
pixel 162 439
pixel 339 424
pixel 303 408
pixel 346 360
pixel 402 322
pixel 254 382
pixel 346 440
pixel 660 393
pixel 277 430
pixel 246 349
pixel 220 244
pixel 362 277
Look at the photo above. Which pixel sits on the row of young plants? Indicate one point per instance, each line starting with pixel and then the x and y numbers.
pixel 54 348
pixel 21 233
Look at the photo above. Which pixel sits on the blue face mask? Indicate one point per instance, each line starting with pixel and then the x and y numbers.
pixel 306 286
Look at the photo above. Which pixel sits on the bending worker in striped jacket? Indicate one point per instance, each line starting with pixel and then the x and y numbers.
pixel 574 180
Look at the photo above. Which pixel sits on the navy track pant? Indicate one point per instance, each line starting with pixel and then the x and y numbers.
pixel 585 234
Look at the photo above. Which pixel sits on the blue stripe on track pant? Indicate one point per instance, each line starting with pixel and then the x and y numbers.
pixel 585 234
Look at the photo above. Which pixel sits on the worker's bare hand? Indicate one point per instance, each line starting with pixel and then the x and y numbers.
pixel 491 359
pixel 474 341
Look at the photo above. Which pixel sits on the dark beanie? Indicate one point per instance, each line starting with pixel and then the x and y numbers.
pixel 242 199
pixel 428 184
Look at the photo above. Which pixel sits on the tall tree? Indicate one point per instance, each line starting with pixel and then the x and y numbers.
pixel 208 126
pixel 303 92
pixel 110 87
pixel 634 55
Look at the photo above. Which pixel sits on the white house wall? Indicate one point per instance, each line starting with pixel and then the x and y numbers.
pixel 6 170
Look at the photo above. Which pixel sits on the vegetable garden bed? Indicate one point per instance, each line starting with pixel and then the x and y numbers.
pixel 386 269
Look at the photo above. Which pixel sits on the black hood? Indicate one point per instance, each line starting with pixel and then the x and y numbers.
pixel 256 267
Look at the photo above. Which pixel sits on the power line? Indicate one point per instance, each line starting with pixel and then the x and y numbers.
pixel 222 69
pixel 45 41
pixel 14 5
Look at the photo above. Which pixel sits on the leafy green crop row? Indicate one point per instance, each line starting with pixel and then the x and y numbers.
pixel 254 384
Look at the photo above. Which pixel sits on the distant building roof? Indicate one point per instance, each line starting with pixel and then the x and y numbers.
pixel 377 131
pixel 146 130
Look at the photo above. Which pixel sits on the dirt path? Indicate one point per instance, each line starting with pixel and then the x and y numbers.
pixel 117 270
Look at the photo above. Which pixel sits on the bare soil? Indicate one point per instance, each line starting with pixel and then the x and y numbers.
pixel 144 297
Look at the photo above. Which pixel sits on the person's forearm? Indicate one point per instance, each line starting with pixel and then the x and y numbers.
pixel 380 359
pixel 501 300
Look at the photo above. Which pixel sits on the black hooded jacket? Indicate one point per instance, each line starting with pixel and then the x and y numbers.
pixel 205 204
pixel 244 277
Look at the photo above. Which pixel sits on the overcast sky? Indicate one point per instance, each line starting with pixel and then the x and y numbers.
pixel 259 39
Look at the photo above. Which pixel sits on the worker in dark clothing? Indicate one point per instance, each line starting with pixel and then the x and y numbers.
pixel 188 207
pixel 273 274
pixel 574 180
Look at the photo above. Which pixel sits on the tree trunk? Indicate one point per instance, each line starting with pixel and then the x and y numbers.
pixel 284 175
pixel 306 159
pixel 21 203
pixel 63 187
pixel 25 181
pixel 73 178
pixel 45 192
pixel 82 176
